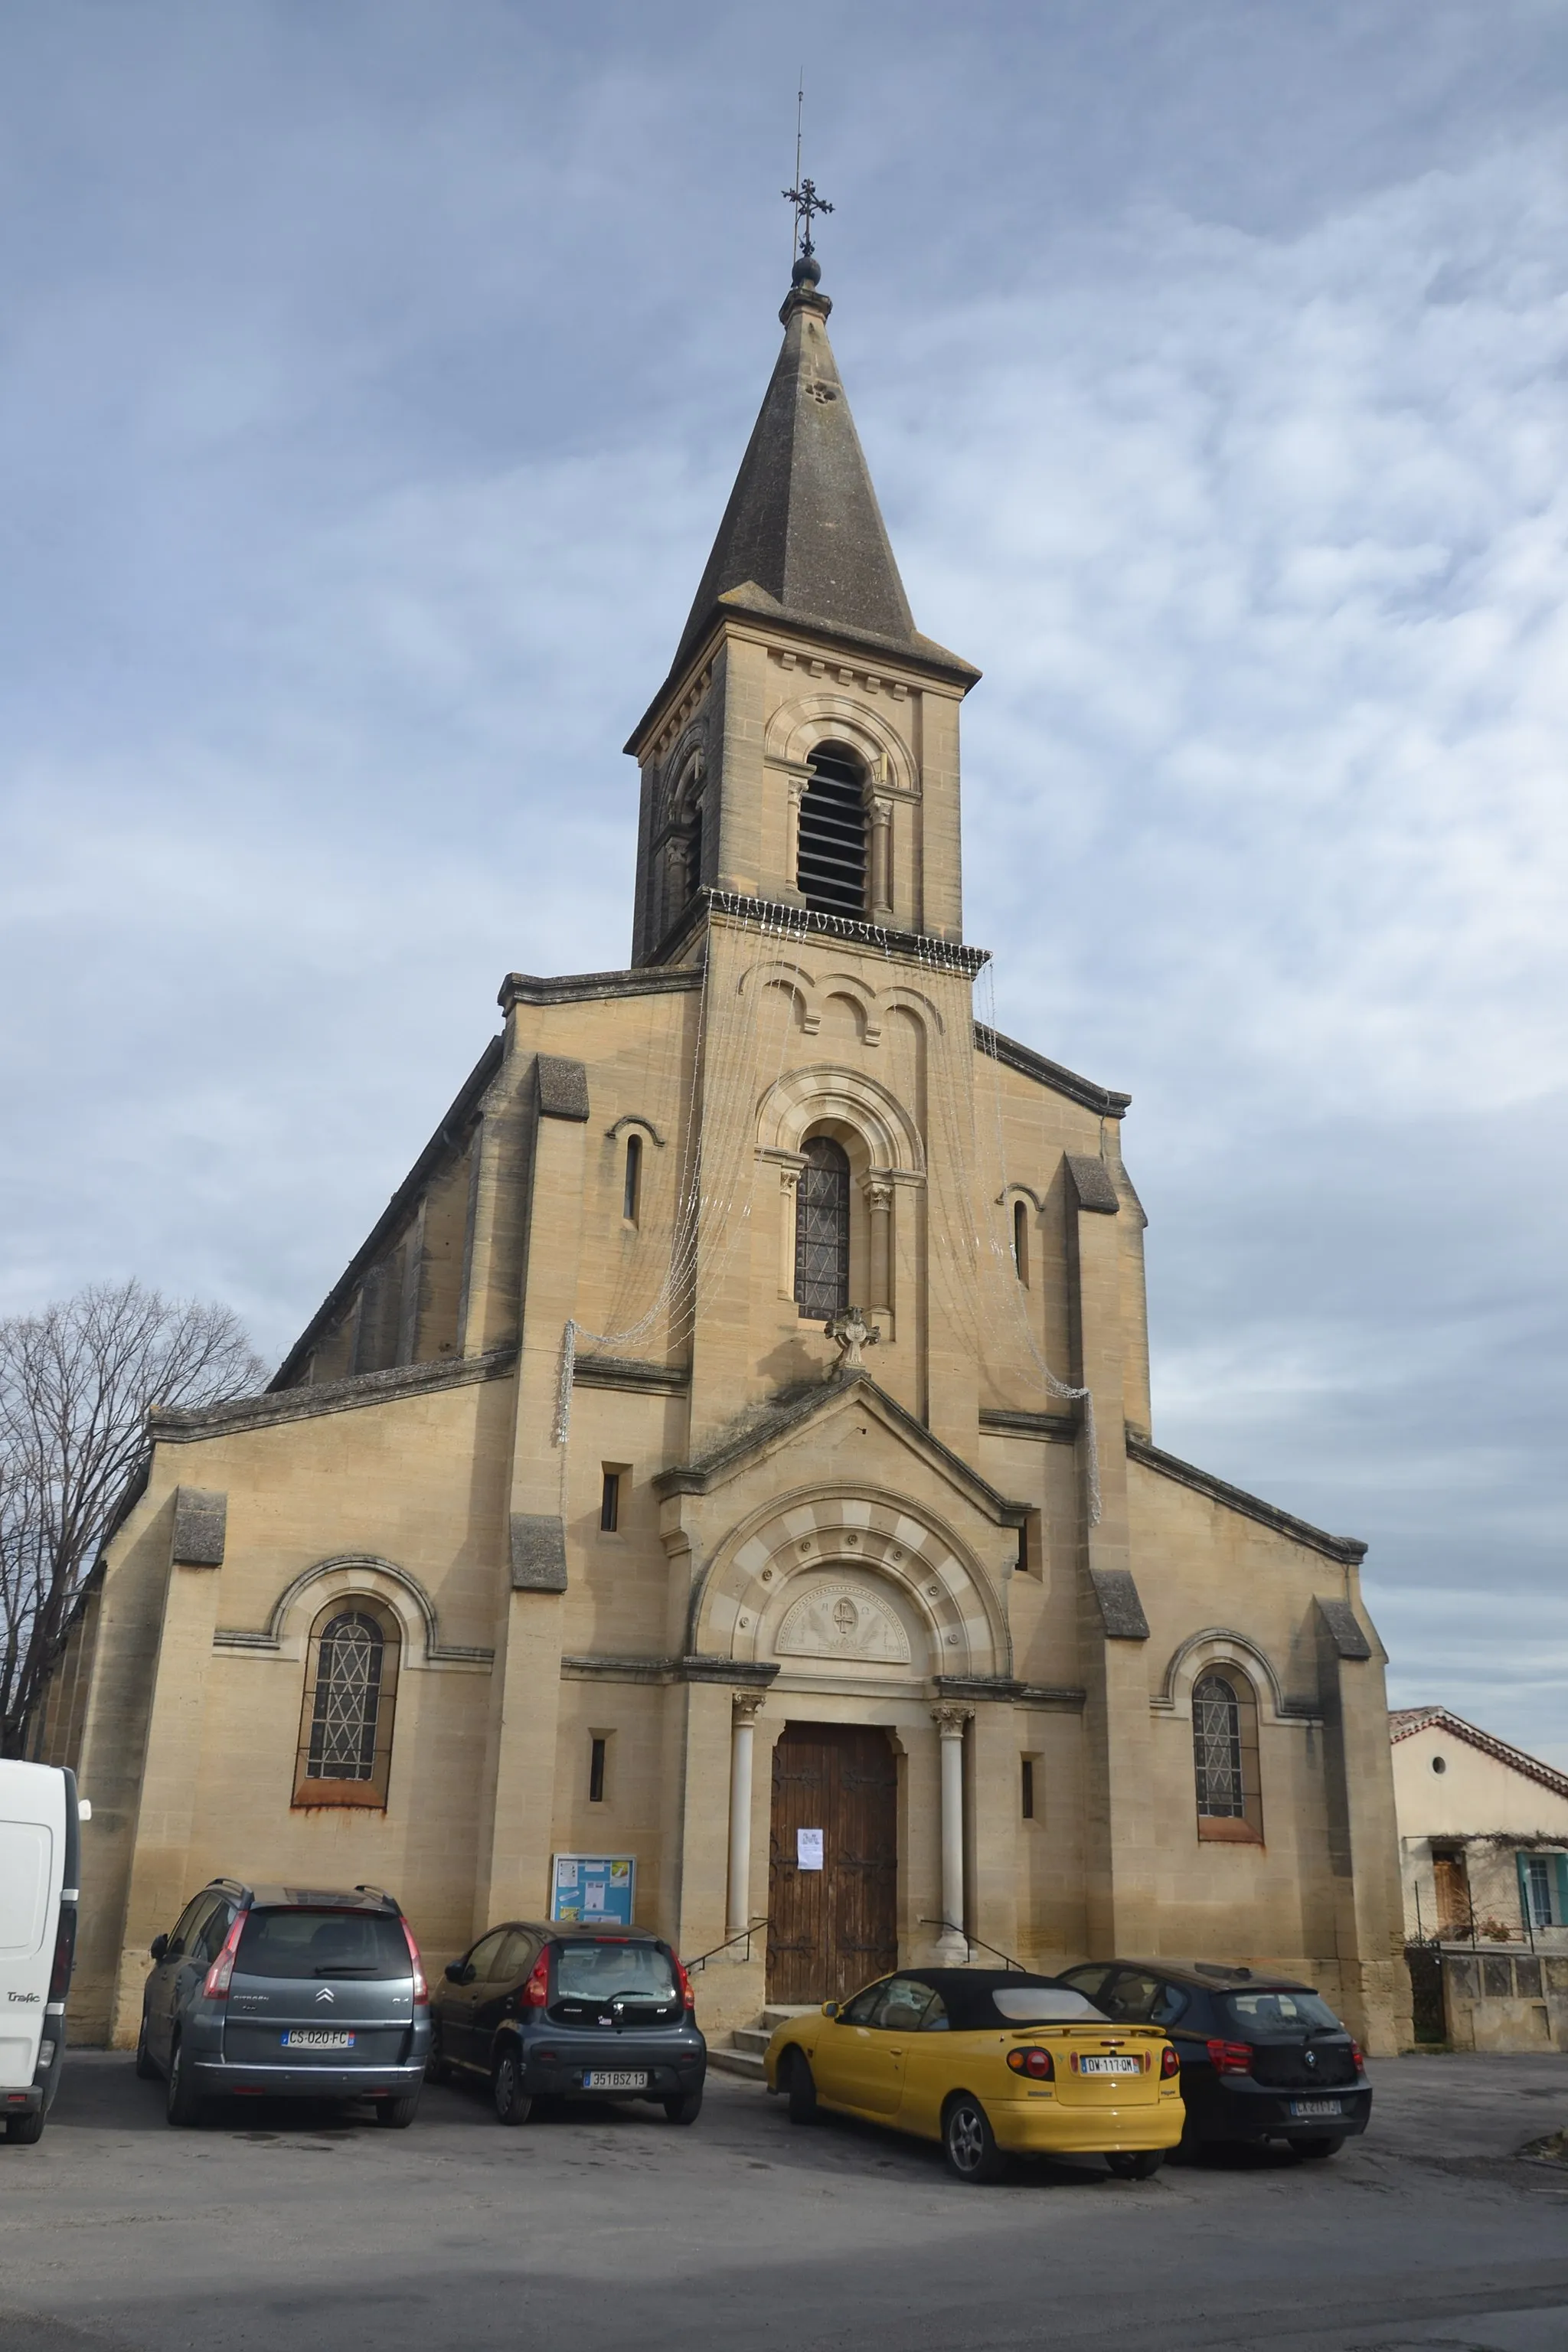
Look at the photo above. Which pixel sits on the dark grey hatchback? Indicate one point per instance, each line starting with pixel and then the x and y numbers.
pixel 547 2012
pixel 293 1992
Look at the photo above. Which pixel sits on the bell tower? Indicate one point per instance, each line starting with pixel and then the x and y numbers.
pixel 803 749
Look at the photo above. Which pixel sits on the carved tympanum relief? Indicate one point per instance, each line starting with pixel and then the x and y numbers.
pixel 842 1620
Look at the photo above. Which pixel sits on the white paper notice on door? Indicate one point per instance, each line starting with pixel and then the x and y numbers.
pixel 808 1849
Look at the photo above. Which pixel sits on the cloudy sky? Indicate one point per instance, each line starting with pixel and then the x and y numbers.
pixel 372 378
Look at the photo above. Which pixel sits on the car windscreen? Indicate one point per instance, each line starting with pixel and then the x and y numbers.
pixel 1278 2012
pixel 1044 2005
pixel 598 1970
pixel 368 1946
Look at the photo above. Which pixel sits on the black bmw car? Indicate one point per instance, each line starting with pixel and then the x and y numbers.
pixel 1262 2057
pixel 546 2011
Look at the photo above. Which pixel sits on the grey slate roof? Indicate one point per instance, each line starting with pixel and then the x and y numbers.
pixel 803 537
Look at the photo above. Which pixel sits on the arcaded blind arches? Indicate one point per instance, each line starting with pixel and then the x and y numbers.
pixel 822 1230
pixel 831 862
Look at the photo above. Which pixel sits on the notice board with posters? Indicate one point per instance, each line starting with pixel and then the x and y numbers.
pixel 588 1888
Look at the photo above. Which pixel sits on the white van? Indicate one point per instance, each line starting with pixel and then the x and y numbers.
pixel 40 1876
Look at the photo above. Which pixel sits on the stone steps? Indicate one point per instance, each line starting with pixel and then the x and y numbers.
pixel 747 2046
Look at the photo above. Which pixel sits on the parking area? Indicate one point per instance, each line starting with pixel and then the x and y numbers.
pixel 272 2230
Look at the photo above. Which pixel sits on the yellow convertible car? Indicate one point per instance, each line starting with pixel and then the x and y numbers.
pixel 991 2062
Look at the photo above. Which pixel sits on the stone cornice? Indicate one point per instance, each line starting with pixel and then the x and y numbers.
pixel 626 1373
pixel 276 1405
pixel 1030 1065
pixel 1348 1550
pixel 1057 1428
pixel 743 1674
pixel 587 987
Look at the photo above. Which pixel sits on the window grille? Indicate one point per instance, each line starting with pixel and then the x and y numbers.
pixel 1216 1749
pixel 821 1231
pixel 831 862
pixel 348 1700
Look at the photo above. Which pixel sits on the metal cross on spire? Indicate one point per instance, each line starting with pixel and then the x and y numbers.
pixel 807 202
pixel 802 195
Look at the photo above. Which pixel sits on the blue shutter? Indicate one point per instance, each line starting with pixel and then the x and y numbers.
pixel 1561 1861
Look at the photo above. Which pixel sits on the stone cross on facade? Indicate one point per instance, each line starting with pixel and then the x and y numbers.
pixel 853 1334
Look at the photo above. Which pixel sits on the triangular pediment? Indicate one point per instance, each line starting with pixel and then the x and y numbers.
pixel 804 1416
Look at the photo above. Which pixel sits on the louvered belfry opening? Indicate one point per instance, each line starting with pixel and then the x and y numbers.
pixel 831 865
pixel 822 1230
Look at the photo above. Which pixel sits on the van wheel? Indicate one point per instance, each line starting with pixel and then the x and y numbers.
pixel 512 2104
pixel 1319 2147
pixel 1140 2165
pixel 968 2141
pixel 398 2113
pixel 182 2102
pixel 802 2089
pixel 145 2069
pixel 24 2131
pixel 684 2109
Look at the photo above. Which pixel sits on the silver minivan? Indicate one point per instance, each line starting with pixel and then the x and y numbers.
pixel 287 1991
pixel 40 1879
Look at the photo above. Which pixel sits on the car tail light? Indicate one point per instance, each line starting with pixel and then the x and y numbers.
pixel 1035 2063
pixel 536 1991
pixel 421 1990
pixel 217 1985
pixel 1231 2057
pixel 687 1998
pixel 1170 2061
pixel 1356 2059
pixel 65 1951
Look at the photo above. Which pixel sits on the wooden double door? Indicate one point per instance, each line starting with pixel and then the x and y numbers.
pixel 830 1930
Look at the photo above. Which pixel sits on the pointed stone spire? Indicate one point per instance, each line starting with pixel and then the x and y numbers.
pixel 803 537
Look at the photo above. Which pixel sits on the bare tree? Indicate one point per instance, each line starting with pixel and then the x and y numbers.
pixel 76 1381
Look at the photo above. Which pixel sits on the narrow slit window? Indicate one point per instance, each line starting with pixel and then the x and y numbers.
pixel 830 867
pixel 610 1502
pixel 821 1231
pixel 597 1746
pixel 1027 1787
pixel 1020 1240
pixel 631 1195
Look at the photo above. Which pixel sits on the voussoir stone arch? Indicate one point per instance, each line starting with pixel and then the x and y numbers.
pixel 1218 1647
pixel 864 1530
pixel 303 1600
pixel 811 1098
pixel 797 727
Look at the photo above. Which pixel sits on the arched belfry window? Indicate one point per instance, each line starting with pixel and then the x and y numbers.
pixel 830 866
pixel 1225 1757
pixel 351 1686
pixel 822 1230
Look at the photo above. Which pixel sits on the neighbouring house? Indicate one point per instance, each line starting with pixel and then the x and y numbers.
pixel 1483 1846
pixel 722 1486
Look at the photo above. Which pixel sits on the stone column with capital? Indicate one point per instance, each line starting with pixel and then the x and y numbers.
pixel 746 1707
pixel 880 813
pixel 880 1204
pixel 789 1187
pixel 952 1945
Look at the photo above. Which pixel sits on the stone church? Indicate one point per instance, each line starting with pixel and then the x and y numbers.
pixel 722 1486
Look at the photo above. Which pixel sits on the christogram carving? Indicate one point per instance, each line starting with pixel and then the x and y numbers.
pixel 843 1621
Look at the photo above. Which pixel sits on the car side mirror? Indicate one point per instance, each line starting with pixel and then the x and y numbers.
pixel 830 2008
pixel 455 1971
pixel 158 1947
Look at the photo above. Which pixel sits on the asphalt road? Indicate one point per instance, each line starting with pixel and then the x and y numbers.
pixel 284 2230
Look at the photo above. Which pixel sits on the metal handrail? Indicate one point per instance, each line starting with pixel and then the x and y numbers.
pixel 744 1937
pixel 952 1928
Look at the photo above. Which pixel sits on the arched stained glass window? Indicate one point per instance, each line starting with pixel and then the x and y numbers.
pixel 345 1744
pixel 1216 1749
pixel 830 866
pixel 822 1230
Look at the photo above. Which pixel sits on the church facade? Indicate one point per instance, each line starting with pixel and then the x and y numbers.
pixel 722 1486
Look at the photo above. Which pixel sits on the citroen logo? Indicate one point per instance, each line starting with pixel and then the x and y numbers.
pixel 327 1994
